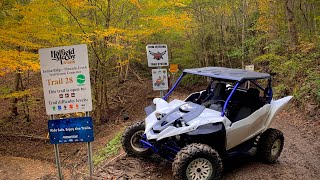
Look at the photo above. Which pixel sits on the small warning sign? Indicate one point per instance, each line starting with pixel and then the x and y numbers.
pixel 159 79
pixel 157 55
pixel 249 67
pixel 173 68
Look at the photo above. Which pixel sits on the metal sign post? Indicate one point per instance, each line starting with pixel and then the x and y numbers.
pixel 161 91
pixel 89 153
pixel 173 69
pixel 90 159
pixel 57 156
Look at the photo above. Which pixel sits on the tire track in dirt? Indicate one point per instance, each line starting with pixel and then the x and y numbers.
pixel 136 169
pixel 300 159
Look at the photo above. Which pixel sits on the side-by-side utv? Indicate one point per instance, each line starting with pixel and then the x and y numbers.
pixel 232 114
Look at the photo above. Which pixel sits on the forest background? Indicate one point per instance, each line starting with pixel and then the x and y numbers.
pixel 279 36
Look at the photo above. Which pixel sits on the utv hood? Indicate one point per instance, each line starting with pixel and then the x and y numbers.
pixel 178 117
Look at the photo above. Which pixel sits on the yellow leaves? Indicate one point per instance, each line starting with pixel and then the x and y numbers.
pixel 117 46
pixel 27 24
pixel 178 3
pixel 76 3
pixel 31 13
pixel 171 21
pixel 115 37
pixel 16 94
pixel 110 31
pixel 307 47
pixel 120 33
pixel 263 24
pixel 122 63
pixel 164 5
pixel 13 60
pixel 17 39
pixel 270 16
pixel 136 3
pixel 41 23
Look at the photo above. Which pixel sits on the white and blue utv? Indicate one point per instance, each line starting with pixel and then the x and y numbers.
pixel 233 114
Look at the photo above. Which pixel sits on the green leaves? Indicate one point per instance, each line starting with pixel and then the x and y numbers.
pixel 109 150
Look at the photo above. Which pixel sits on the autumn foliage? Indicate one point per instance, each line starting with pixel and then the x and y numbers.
pixel 276 35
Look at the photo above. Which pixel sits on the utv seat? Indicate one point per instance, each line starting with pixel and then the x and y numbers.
pixel 251 103
pixel 219 92
pixel 241 114
pixel 216 99
pixel 253 99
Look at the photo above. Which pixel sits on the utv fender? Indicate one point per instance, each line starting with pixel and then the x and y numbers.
pixel 213 134
pixel 276 107
pixel 160 103
pixel 207 129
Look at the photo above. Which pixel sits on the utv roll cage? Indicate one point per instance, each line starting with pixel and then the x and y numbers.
pixel 237 76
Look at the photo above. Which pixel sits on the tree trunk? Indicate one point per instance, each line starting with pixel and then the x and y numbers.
pixel 291 22
pixel 14 108
pixel 244 9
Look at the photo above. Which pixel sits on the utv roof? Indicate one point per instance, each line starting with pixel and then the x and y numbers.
pixel 227 73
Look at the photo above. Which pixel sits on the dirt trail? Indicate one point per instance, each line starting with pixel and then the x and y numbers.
pixel 24 168
pixel 300 158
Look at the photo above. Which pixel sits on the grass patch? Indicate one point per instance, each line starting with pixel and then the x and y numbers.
pixel 111 149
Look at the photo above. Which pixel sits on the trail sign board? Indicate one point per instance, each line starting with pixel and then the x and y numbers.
pixel 66 79
pixel 157 55
pixel 173 68
pixel 159 79
pixel 71 130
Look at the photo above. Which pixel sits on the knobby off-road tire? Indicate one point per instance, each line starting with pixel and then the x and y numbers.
pixel 131 140
pixel 270 145
pixel 197 161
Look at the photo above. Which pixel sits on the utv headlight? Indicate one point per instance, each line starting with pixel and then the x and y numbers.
pixel 159 115
pixel 179 123
pixel 186 108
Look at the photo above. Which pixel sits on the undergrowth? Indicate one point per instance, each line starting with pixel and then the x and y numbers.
pixel 111 149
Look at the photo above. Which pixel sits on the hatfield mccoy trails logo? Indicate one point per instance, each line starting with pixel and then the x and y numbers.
pixel 65 57
pixel 157 55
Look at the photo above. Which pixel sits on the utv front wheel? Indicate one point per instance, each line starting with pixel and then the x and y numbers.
pixel 197 161
pixel 131 140
pixel 270 145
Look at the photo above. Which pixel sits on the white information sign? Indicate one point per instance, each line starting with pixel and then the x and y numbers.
pixel 66 79
pixel 159 79
pixel 157 55
pixel 249 67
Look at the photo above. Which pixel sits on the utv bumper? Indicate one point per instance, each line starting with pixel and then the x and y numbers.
pixel 166 149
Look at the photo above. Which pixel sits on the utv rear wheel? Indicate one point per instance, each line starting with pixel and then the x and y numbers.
pixel 270 145
pixel 197 161
pixel 131 140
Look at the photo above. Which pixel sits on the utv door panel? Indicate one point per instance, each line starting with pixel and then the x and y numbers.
pixel 247 128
